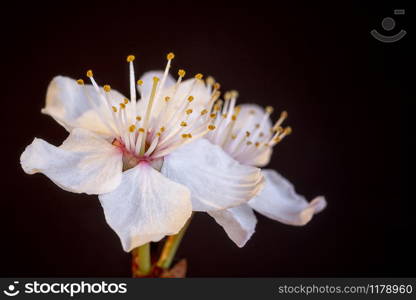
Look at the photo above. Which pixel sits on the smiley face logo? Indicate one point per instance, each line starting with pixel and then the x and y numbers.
pixel 389 24
pixel 11 289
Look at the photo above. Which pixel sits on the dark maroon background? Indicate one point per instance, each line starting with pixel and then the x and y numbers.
pixel 348 101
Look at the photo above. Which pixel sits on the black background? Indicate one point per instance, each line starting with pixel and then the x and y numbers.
pixel 348 101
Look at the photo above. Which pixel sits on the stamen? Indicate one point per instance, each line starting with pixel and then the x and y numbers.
pixel 181 73
pixel 148 112
pixel 89 73
pixel 138 118
pixel 132 109
pixel 199 76
pixel 132 128
pixel 107 88
pixel 140 82
pixel 80 82
pixel 279 122
pixel 183 124
pixel 210 80
pixel 269 109
pixel 211 127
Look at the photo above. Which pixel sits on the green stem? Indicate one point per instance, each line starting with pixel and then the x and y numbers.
pixel 171 246
pixel 144 263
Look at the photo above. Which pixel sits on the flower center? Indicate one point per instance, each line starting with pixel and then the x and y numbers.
pixel 162 120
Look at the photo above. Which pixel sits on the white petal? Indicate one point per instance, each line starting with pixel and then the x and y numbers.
pixel 215 179
pixel 248 117
pixel 279 201
pixel 146 207
pixel 260 159
pixel 84 163
pixel 253 114
pixel 68 104
pixel 238 222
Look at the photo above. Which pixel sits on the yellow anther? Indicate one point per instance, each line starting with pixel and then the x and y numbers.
pixel 189 111
pixel 107 88
pixel 233 136
pixel 199 76
pixel 217 86
pixel 249 143
pixel 155 79
pixel 181 73
pixel 80 82
pixel 213 115
pixel 89 73
pixel 210 80
pixel 170 56
pixel 234 94
pixel 114 108
pixel 158 134
pixel 218 105
pixel 139 82
pixel 247 133
pixel 224 116
pixel 269 109
pixel 131 58
pixel 215 95
pixel 184 135
pixel 233 117
pixel 237 109
pixel 183 124
pixel 132 128
pixel 227 95
pixel 162 129
pixel 167 98
pixel 277 139
pixel 266 145
pixel 203 112
pixel 257 144
pixel 141 129
pixel 126 100
pixel 284 114
pixel 211 127
pixel 277 129
pixel 138 118
pixel 189 135
pixel 122 105
pixel 288 130
pixel 191 98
